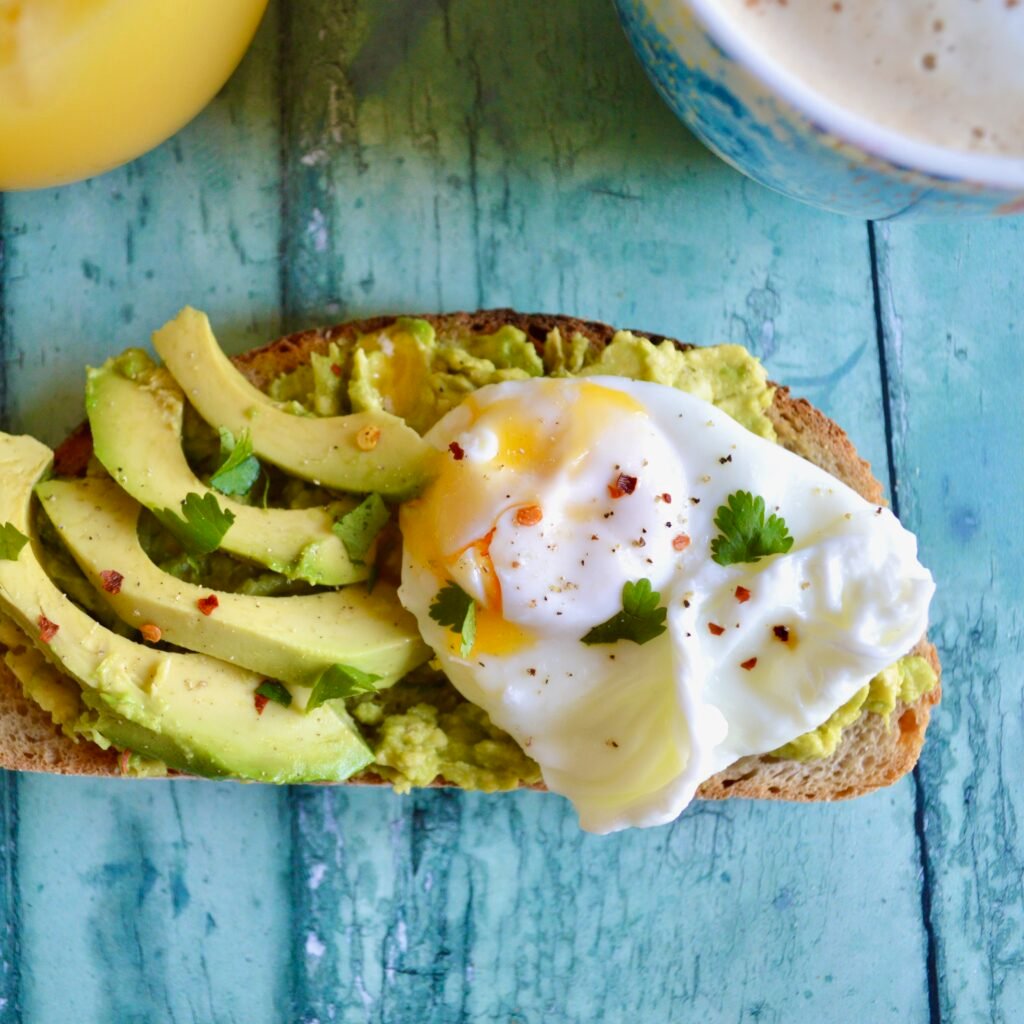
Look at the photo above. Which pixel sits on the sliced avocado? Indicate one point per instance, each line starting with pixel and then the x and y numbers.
pixel 361 452
pixel 136 433
pixel 294 639
pixel 193 712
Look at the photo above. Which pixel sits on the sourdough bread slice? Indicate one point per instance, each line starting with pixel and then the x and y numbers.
pixel 873 752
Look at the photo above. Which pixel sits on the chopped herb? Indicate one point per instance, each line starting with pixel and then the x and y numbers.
pixel 639 621
pixel 746 535
pixel 271 689
pixel 358 529
pixel 12 540
pixel 240 469
pixel 454 608
pixel 203 526
pixel 340 682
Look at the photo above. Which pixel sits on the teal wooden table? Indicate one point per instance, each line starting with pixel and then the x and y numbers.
pixel 375 156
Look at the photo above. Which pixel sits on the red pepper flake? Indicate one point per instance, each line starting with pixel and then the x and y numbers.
pixel 47 629
pixel 260 701
pixel 336 369
pixel 458 452
pixel 782 633
pixel 150 633
pixel 680 542
pixel 623 485
pixel 529 515
pixel 122 761
pixel 748 664
pixel 667 498
pixel 715 630
pixel 111 580
pixel 742 595
pixel 207 605
pixel 367 438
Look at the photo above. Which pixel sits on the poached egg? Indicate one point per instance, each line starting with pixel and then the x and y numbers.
pixel 551 495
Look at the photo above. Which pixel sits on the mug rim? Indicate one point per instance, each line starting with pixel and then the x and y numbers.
pixel 1001 172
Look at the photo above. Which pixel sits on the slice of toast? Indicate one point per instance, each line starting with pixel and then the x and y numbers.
pixel 873 752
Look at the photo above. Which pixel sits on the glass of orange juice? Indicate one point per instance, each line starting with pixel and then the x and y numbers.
pixel 86 85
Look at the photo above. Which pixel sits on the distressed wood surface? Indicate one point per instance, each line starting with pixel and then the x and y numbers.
pixel 407 156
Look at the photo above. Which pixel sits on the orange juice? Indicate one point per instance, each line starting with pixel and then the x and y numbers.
pixel 86 85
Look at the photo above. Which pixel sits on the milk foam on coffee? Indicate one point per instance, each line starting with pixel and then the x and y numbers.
pixel 946 72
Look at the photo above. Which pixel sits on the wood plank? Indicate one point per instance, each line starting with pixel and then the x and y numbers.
pixel 10 900
pixel 953 313
pixel 439 159
pixel 144 901
pixel 158 900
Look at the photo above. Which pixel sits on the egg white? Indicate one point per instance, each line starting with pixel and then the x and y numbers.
pixel 626 731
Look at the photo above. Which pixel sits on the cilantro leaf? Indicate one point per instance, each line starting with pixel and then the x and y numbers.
pixel 746 535
pixel 12 540
pixel 203 526
pixel 275 691
pixel 358 529
pixel 241 468
pixel 454 608
pixel 341 681
pixel 640 619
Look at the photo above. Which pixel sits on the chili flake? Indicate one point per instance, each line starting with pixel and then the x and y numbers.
pixel 681 542
pixel 260 701
pixel 458 453
pixel 715 630
pixel 111 581
pixel 47 629
pixel 782 633
pixel 336 369
pixel 623 485
pixel 529 515
pixel 207 605
pixel 667 498
pixel 122 761
pixel 367 438
pixel 150 633
pixel 742 595
pixel 748 664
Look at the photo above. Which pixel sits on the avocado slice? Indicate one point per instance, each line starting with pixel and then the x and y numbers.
pixel 294 639
pixel 136 433
pixel 361 452
pixel 191 711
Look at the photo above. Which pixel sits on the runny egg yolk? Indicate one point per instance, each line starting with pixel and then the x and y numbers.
pixel 507 459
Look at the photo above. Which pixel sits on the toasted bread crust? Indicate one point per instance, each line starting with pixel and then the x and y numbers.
pixel 873 752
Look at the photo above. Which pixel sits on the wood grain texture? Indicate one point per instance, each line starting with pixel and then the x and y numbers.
pixel 416 155
pixel 439 158
pixel 952 314
pixel 149 902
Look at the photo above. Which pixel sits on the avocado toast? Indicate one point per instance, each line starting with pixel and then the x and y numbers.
pixel 418 731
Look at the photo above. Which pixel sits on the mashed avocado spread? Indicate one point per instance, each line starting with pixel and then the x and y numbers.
pixel 421 728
